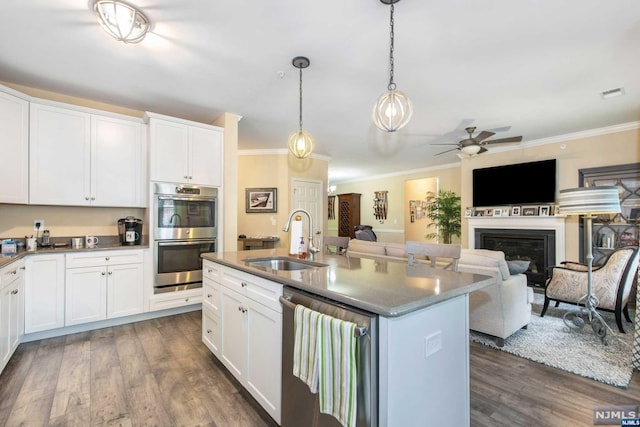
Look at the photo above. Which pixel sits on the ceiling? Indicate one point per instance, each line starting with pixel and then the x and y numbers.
pixel 529 67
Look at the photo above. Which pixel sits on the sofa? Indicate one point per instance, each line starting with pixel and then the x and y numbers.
pixel 498 310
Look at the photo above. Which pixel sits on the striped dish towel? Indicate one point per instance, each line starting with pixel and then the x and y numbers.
pixel 305 355
pixel 337 369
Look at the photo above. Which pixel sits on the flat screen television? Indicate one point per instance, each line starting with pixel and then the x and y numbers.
pixel 517 184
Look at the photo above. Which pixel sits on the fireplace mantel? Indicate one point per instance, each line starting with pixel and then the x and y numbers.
pixel 556 223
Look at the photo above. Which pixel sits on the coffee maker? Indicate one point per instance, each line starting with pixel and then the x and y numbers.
pixel 130 230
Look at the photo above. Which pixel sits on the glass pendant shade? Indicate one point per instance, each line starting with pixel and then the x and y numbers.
pixel 123 22
pixel 471 149
pixel 301 144
pixel 392 111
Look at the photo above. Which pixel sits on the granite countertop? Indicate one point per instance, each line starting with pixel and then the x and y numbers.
pixel 388 288
pixel 111 245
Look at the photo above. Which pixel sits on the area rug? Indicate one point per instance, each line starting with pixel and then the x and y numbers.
pixel 547 340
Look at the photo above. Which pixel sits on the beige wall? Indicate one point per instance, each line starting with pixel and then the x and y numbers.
pixel 393 229
pixel 417 189
pixel 261 169
pixel 603 150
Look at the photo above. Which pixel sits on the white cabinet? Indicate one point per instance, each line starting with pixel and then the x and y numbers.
pixel 82 159
pixel 103 285
pixel 211 306
pixel 184 152
pixel 11 309
pixel 44 292
pixel 249 343
pixel 14 149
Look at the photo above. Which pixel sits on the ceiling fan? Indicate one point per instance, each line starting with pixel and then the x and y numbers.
pixel 472 146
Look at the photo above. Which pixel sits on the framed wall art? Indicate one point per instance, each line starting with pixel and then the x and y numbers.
pixel 543 211
pixel 261 200
pixel 515 211
pixel 530 211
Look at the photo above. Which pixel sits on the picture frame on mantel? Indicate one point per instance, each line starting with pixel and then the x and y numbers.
pixel 515 211
pixel 261 200
pixel 530 211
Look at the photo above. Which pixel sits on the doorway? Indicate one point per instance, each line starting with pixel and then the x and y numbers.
pixel 415 221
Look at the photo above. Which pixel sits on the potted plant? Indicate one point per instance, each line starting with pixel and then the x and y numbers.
pixel 444 210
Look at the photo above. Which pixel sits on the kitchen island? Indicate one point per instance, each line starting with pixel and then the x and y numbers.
pixel 422 341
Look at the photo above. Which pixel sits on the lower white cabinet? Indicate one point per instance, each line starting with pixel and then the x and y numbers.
pixel 242 326
pixel 103 285
pixel 44 293
pixel 11 309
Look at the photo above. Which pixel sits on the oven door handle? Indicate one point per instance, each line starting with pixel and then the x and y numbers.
pixel 188 199
pixel 182 243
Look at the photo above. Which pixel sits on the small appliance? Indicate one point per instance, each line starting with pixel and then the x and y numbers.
pixel 130 230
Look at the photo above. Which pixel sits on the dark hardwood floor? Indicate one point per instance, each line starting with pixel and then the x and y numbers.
pixel 158 373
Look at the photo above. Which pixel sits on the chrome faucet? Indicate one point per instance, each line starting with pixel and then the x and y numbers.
pixel 179 222
pixel 312 249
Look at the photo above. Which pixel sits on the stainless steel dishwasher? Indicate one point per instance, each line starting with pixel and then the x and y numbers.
pixel 299 406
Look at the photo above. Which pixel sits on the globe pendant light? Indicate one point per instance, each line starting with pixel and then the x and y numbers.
pixel 393 110
pixel 300 142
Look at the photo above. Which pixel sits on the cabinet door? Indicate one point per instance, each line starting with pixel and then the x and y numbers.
pixel 233 336
pixel 5 324
pixel 16 312
pixel 44 293
pixel 59 156
pixel 124 290
pixel 168 145
pixel 14 149
pixel 116 162
pixel 85 295
pixel 205 157
pixel 264 356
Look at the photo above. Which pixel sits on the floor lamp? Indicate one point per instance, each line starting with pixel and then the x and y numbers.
pixel 589 202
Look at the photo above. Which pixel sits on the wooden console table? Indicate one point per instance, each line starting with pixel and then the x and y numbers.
pixel 249 243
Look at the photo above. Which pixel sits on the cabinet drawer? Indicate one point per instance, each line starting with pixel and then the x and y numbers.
pixel 211 294
pixel 258 289
pixel 93 259
pixel 12 272
pixel 211 270
pixel 175 299
pixel 211 331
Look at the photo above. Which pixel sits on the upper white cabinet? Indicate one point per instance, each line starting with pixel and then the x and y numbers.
pixel 79 158
pixel 14 148
pixel 184 152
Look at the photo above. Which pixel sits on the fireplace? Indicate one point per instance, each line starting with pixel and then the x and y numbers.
pixel 536 246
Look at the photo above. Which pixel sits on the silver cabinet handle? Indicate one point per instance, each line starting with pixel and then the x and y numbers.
pixel 23 268
pixel 186 300
pixel 106 258
pixel 243 284
pixel 110 273
pixel 103 273
pixel 15 291
pixel 86 198
pixel 185 177
pixel 209 295
pixel 209 331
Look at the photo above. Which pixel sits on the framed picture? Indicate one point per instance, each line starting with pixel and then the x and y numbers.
pixel 515 211
pixel 478 212
pixel 468 212
pixel 543 211
pixel 261 200
pixel 506 211
pixel 497 212
pixel 530 211
pixel 488 212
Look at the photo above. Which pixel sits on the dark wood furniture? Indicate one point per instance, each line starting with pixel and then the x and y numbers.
pixel 348 214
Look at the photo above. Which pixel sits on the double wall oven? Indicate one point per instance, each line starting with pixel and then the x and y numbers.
pixel 185 226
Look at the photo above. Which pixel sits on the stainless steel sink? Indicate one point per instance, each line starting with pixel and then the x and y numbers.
pixel 282 263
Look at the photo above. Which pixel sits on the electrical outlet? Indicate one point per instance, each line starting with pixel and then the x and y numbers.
pixel 38 224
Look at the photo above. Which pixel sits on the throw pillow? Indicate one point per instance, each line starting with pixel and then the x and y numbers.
pixel 517 267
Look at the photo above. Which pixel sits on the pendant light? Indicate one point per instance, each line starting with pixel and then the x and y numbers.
pixel 393 110
pixel 300 142
pixel 122 21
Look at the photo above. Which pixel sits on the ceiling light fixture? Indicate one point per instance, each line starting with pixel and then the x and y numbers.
pixel 122 21
pixel 471 149
pixel 393 110
pixel 300 142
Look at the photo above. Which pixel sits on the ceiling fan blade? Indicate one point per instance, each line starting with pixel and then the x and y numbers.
pixel 453 149
pixel 483 135
pixel 505 140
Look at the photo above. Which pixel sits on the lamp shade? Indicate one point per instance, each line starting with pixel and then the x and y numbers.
pixel 589 201
pixel 471 149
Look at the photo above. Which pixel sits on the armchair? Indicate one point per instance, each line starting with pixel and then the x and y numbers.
pixel 611 283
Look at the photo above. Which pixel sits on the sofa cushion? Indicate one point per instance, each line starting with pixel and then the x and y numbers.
pixel 517 266
pixel 367 247
pixel 396 250
pixel 486 258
